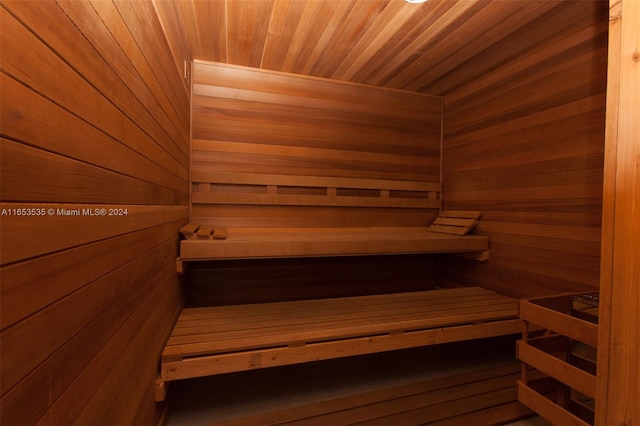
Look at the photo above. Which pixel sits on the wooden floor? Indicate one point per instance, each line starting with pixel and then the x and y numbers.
pixel 450 383
pixel 480 397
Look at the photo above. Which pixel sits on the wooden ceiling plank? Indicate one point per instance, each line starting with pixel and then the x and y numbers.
pixel 432 48
pixel 285 20
pixel 211 27
pixel 321 49
pixel 417 58
pixel 354 27
pixel 186 10
pixel 526 40
pixel 420 42
pixel 486 28
pixel 376 41
pixel 248 21
pixel 313 19
pixel 535 56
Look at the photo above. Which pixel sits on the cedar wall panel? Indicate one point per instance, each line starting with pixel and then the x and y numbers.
pixel 619 317
pixel 95 157
pixel 524 143
pixel 265 122
pixel 270 280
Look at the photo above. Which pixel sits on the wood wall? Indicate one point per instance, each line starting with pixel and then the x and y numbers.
pixel 95 157
pixel 619 340
pixel 524 144
pixel 247 120
pixel 270 280
pixel 264 123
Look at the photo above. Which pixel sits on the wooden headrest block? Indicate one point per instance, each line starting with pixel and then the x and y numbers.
pixel 455 222
pixel 220 233
pixel 204 232
pixel 193 231
pixel 188 230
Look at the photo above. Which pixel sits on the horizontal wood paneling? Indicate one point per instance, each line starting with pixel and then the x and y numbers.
pixel 31 174
pixel 254 281
pixel 94 166
pixel 266 123
pixel 524 143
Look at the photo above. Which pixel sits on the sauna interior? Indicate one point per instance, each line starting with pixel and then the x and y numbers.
pixel 312 144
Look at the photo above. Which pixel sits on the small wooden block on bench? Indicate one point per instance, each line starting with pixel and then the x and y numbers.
pixel 193 231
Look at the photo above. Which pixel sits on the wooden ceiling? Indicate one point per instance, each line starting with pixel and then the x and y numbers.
pixel 434 47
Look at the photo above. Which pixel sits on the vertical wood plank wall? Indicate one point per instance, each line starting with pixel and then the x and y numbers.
pixel 95 119
pixel 524 144
pixel 257 121
pixel 618 392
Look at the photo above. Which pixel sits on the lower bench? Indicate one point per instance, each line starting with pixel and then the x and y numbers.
pixel 216 340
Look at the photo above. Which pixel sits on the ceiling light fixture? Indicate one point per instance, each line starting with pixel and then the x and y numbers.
pixel 415 1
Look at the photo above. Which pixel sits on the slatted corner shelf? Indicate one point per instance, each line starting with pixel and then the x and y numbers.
pixel 216 340
pixel 562 359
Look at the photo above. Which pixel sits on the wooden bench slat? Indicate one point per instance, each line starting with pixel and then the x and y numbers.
pixel 283 332
pixel 307 318
pixel 249 312
pixel 422 301
pixel 204 345
pixel 300 321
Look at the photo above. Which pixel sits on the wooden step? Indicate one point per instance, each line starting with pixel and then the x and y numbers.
pixel 482 397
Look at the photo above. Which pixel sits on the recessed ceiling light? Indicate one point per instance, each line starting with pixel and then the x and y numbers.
pixel 415 1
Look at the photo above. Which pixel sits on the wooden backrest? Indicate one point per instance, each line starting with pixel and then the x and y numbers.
pixel 270 195
pixel 286 190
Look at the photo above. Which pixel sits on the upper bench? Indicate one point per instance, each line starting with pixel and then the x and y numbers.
pixel 206 240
